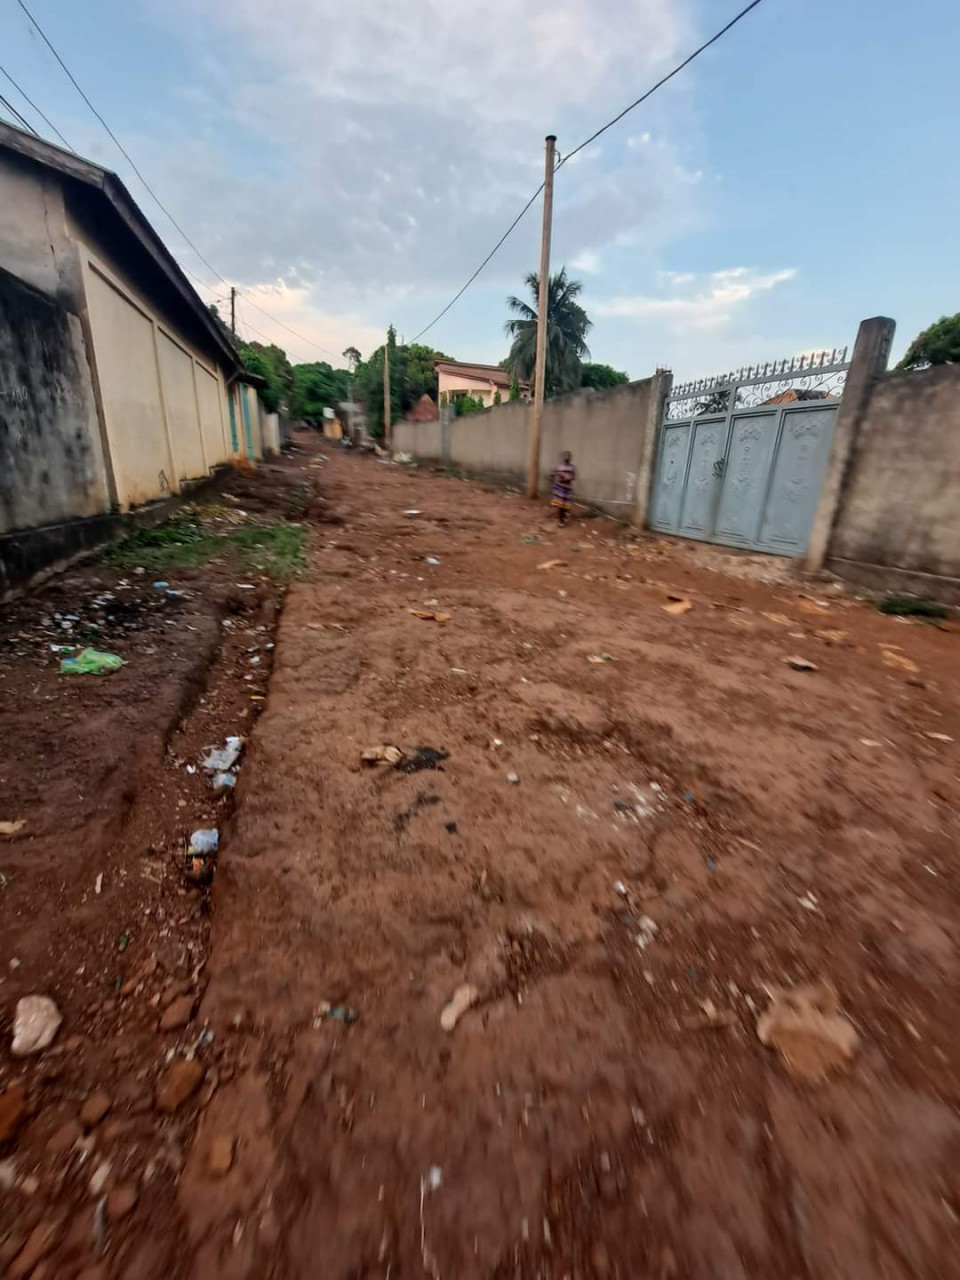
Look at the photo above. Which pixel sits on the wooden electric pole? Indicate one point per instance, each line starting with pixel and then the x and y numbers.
pixel 387 430
pixel 533 462
pixel 233 311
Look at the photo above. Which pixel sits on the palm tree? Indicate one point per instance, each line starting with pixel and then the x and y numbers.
pixel 567 327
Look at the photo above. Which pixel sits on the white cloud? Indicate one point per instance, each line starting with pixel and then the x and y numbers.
pixel 587 260
pixel 365 153
pixel 710 306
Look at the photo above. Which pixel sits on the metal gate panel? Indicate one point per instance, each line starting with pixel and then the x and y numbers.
pixel 670 476
pixel 703 478
pixel 741 458
pixel 797 476
pixel 746 471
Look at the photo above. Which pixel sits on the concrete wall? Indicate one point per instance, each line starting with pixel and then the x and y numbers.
pixel 129 375
pixel 900 507
pixel 51 459
pixel 211 404
pixel 162 429
pixel 423 439
pixel 180 408
pixel 607 432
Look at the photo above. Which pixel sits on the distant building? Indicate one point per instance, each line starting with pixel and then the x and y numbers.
pixel 482 381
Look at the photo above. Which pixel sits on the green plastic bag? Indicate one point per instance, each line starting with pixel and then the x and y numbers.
pixel 91 662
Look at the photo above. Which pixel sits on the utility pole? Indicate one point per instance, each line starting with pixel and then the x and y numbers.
pixel 387 429
pixel 233 311
pixel 533 462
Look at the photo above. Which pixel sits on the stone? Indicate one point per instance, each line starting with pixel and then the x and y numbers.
pixel 600 1259
pixel 40 1242
pixel 13 1107
pixel 220 1158
pixel 94 1109
pixel 177 1014
pixel 121 1201
pixel 180 1082
pixel 100 1178
pixel 63 1139
pixel 36 1021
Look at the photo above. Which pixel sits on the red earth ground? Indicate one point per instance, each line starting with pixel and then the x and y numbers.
pixel 623 857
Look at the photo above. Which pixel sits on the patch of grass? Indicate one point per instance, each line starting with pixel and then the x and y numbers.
pixel 184 543
pixel 913 606
pixel 297 503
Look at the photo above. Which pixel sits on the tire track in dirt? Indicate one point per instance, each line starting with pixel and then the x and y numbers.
pixel 582 1121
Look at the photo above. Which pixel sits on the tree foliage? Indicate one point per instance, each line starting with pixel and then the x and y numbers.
pixel 567 329
pixel 412 374
pixel 940 344
pixel 316 387
pixel 222 324
pixel 271 363
pixel 601 377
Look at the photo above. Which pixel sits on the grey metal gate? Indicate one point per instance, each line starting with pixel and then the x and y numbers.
pixel 741 457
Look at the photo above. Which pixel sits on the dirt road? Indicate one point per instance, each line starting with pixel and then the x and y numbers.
pixel 620 826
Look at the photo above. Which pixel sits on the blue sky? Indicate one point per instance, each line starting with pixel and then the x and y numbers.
pixel 347 166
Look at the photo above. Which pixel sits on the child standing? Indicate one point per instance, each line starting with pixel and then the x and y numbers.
pixel 563 477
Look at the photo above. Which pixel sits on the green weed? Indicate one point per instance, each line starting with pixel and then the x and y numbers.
pixel 913 606
pixel 276 550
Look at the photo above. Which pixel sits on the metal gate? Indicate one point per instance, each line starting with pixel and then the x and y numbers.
pixel 741 457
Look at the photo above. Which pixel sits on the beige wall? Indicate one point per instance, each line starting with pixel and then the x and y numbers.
pixel 423 439
pixel 899 506
pixel 211 403
pixel 164 401
pixel 52 464
pixel 180 407
pixel 607 432
pixel 126 360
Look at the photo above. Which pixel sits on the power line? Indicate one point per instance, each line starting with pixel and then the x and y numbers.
pixel 456 296
pixel 586 142
pixel 660 83
pixel 300 359
pixel 302 336
pixel 17 116
pixel 30 103
pixel 122 149
pixel 159 202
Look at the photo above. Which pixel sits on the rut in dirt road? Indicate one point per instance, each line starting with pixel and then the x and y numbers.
pixel 613 854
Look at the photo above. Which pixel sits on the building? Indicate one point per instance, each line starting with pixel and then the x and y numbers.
pixel 117 386
pixel 482 381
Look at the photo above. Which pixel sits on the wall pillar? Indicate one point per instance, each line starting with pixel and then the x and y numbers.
pixel 660 385
pixel 871 352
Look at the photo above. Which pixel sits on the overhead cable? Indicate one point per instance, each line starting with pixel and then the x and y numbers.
pixel 586 142
pixel 32 104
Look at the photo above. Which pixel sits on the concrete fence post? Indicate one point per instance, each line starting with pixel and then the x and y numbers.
pixel 660 385
pixel 871 352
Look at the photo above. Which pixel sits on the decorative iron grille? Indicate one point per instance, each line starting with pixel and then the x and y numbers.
pixel 818 376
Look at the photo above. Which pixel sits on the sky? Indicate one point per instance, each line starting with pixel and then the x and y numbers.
pixel 348 166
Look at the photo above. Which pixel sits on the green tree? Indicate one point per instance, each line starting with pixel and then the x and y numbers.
pixel 601 377
pixel 222 324
pixel 316 387
pixel 270 362
pixel 940 344
pixel 567 329
pixel 412 374
pixel 464 403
